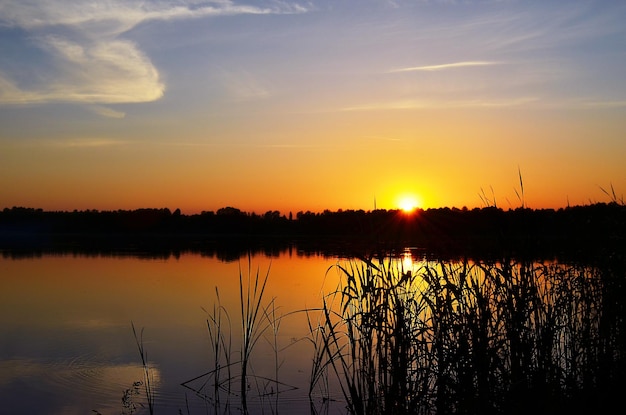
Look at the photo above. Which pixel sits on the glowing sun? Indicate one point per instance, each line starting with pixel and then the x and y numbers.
pixel 408 203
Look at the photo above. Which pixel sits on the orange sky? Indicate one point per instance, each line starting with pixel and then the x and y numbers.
pixel 309 106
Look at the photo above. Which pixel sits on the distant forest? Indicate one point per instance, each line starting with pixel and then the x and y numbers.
pixel 578 230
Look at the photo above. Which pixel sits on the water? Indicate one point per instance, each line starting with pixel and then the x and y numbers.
pixel 530 336
pixel 67 346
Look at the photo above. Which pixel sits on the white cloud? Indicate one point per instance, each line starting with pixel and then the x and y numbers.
pixel 445 66
pixel 116 16
pixel 113 71
pixel 91 61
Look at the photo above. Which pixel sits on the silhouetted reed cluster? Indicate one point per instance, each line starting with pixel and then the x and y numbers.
pixel 472 338
pixel 435 337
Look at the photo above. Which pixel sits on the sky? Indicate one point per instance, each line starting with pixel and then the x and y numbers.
pixel 311 105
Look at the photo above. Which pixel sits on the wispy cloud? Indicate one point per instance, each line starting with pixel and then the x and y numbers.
pixel 445 66
pixel 605 104
pixel 117 16
pixel 494 103
pixel 443 104
pixel 289 146
pixel 83 143
pixel 90 61
pixel 241 85
pixel 390 105
pixel 72 143
pixel 106 111
pixel 107 72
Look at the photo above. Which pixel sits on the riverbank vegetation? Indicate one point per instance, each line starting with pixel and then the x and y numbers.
pixel 436 338
pixel 476 337
pixel 574 231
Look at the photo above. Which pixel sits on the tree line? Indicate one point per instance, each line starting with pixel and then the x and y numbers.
pixel 577 228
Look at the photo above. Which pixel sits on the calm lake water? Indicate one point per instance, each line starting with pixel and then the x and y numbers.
pixel 67 346
pixel 541 333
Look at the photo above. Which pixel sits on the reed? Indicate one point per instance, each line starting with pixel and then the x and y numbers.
pixel 259 319
pixel 147 375
pixel 221 348
pixel 251 295
pixel 467 337
pixel 457 337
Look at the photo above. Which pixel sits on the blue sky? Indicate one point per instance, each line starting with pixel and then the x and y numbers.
pixel 312 104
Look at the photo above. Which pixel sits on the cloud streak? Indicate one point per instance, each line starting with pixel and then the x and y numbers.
pixel 446 104
pixel 89 61
pixel 445 66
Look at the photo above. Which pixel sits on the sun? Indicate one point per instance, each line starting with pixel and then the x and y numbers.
pixel 408 203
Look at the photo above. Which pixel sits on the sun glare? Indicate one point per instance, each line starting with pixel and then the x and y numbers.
pixel 407 261
pixel 408 203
